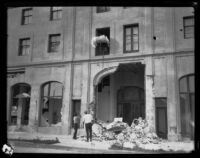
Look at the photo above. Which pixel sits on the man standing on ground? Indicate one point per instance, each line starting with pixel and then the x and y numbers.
pixel 76 120
pixel 87 120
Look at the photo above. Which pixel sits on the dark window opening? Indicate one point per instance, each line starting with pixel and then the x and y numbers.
pixel 54 43
pixel 102 48
pixel 188 24
pixel 56 13
pixel 24 46
pixel 131 38
pixel 102 9
pixel 27 16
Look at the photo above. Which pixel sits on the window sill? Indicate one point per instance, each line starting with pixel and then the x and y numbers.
pixel 136 51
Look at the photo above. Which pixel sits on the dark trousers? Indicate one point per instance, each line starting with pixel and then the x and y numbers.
pixel 88 127
pixel 75 130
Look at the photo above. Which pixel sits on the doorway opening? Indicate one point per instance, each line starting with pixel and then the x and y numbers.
pixel 76 109
pixel 120 93
pixel 130 103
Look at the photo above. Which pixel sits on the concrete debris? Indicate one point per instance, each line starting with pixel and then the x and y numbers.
pixel 124 135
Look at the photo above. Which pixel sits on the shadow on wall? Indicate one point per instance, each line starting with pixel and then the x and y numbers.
pixel 114 46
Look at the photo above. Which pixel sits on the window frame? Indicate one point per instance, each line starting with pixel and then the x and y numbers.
pixel 49 90
pixel 186 26
pixel 102 9
pixel 25 46
pixel 29 16
pixel 131 26
pixel 188 95
pixel 52 11
pixel 50 43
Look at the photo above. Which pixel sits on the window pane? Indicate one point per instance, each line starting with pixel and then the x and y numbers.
pixel 26 21
pixel 189 32
pixel 128 46
pixel 191 83
pixel 46 90
pixel 54 15
pixel 183 85
pixel 135 30
pixel 135 39
pixel 26 12
pixel 135 46
pixel 27 50
pixel 128 31
pixel 185 116
pixel 56 89
pixel 189 21
pixel 59 14
pixel 30 19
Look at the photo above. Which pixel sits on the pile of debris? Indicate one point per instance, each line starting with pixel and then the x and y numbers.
pixel 138 133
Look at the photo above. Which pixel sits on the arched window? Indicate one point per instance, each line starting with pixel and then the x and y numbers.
pixel 187 102
pixel 20 103
pixel 52 93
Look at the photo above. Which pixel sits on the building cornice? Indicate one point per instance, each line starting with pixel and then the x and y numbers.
pixel 95 59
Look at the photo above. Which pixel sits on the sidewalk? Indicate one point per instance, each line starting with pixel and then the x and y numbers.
pixel 67 141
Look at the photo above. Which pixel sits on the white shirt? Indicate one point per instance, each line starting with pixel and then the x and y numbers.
pixel 87 118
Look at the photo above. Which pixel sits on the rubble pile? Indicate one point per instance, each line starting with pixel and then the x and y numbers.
pixel 138 133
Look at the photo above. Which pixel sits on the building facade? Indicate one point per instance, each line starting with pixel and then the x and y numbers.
pixel 145 70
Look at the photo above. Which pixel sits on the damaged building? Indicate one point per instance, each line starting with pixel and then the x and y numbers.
pixel 144 69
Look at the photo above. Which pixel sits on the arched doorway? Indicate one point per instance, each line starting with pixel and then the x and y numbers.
pixel 113 83
pixel 187 103
pixel 20 103
pixel 51 103
pixel 130 103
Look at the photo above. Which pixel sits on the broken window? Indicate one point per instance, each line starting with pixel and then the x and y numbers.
pixel 20 104
pixel 102 48
pixel 52 93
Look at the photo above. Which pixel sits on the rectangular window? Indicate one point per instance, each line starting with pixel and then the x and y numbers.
pixel 103 9
pixel 131 38
pixel 56 13
pixel 54 43
pixel 24 46
pixel 188 24
pixel 102 48
pixel 27 16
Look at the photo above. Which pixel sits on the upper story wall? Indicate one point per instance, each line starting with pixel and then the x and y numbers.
pixel 38 31
pixel 159 32
pixel 182 44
